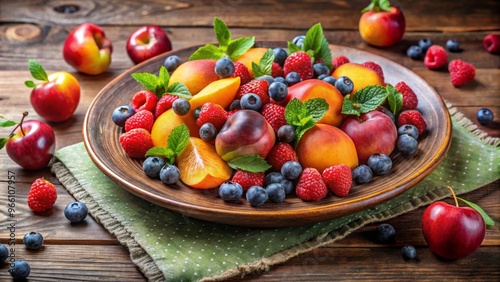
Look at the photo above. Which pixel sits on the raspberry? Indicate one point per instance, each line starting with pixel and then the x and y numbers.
pixel 164 104
pixel 410 100
pixel 277 70
pixel 299 62
pixel 491 43
pixel 435 57
pixel 212 113
pixel 275 115
pixel 248 179
pixel 413 117
pixel 42 195
pixel 136 142
pixel 461 72
pixel 376 68
pixel 338 61
pixel 242 71
pixel 142 119
pixel 310 186
pixel 256 86
pixel 280 154
pixel 338 178
pixel 144 100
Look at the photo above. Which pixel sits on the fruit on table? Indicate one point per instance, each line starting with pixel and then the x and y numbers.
pixel 484 116
pixel 435 57
pixel 42 195
pixel 87 49
pixel 33 240
pixel 20 270
pixel 326 140
pixel 195 74
pixel 76 212
pixel 382 25
pixel 146 42
pixel 252 55
pixel 461 72
pixel 491 43
pixel 245 132
pixel 201 167
pixel 360 75
pixel 372 133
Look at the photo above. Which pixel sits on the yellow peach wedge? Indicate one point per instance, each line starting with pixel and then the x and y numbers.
pixel 195 74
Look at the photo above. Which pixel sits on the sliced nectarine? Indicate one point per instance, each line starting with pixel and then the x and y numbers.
pixel 221 92
pixel 195 74
pixel 167 121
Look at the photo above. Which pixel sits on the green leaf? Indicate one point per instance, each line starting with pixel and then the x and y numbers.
pixel 314 38
pixel 178 139
pixel 487 219
pixel 395 99
pixel 37 71
pixel 239 47
pixel 378 5
pixel 179 89
pixel 326 54
pixel 294 112
pixel 316 108
pixel 208 51
pixel 148 80
pixel 222 33
pixel 30 84
pixel 6 123
pixel 3 141
pixel 161 152
pixel 292 48
pixel 265 65
pixel 349 108
pixel 250 163
pixel 163 79
pixel 364 100
pixel 303 116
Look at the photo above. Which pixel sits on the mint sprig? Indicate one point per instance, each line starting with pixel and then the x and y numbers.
pixel 265 64
pixel 303 116
pixel 316 45
pixel 38 73
pixel 176 142
pixel 250 163
pixel 228 47
pixel 364 100
pixel 159 84
pixel 487 219
pixel 394 98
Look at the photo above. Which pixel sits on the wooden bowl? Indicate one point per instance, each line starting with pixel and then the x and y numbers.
pixel 101 141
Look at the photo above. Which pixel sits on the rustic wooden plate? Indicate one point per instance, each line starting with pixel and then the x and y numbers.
pixel 101 141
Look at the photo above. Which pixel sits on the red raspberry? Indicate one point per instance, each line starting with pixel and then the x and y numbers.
pixel 461 72
pixel 248 179
pixel 42 195
pixel 338 178
pixel 164 104
pixel 338 61
pixel 142 119
pixel 212 113
pixel 277 70
pixel 435 57
pixel 410 100
pixel 491 43
pixel 310 186
pixel 242 71
pixel 275 115
pixel 144 100
pixel 299 62
pixel 136 142
pixel 412 117
pixel 280 154
pixel 376 68
pixel 256 86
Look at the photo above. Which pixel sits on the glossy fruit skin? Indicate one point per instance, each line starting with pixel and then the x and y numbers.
pixel 152 166
pixel 87 49
pixel 35 149
pixel 414 52
pixel 362 174
pixel 484 116
pixel 57 99
pixel 76 212
pixel 256 195
pixel 452 232
pixel 33 240
pixel 386 233
pixel 408 252
pixel 382 28
pixel 20 270
pixel 491 43
pixel 230 191
pixel 146 42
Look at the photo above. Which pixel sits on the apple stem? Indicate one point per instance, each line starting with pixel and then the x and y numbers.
pixel 454 195
pixel 20 124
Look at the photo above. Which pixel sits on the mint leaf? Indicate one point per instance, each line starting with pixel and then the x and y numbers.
pixel 239 47
pixel 37 71
pixel 314 37
pixel 378 5
pixel 395 99
pixel 316 45
pixel 349 108
pixel 30 84
pixel 161 152
pixel 265 65
pixel 179 89
pixel 178 139
pixel 316 108
pixel 250 163
pixel 295 111
pixel 326 54
pixel 163 78
pixel 303 116
pixel 208 51
pixel 487 219
pixel 222 33
pixel 147 80
pixel 292 48
pixel 364 100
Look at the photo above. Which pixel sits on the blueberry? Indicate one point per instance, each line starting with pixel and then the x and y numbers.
pixel 196 112
pixel 267 77
pixel 414 52
pixel 289 186
pixel 181 106
pixel 235 105
pixel 330 79
pixel 121 114
pixel 276 192
pixel 484 116
pixel 76 212
pixel 409 129
pixel 286 133
pixel 321 76
pixel 386 233
pixel 224 68
pixel 4 254
pixel 292 78
pixel 320 68
pixel 250 101
pixel 424 44
pixel 230 191
pixel 362 174
pixel 20 269
pixel 452 45
pixel 256 195
pixel 33 240
pixel 291 170
pixel 280 79
pixel 169 174
pixel 299 40
pixel 208 132
pixel 380 164
pixel 408 252
pixel 280 55
pixel 152 166
pixel 273 177
pixel 344 85
pixel 407 144
pixel 172 62
pixel 278 91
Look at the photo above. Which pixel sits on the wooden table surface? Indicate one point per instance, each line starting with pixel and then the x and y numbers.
pixel 34 29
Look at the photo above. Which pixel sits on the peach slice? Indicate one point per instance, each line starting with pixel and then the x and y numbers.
pixel 166 122
pixel 252 55
pixel 360 75
pixel 195 75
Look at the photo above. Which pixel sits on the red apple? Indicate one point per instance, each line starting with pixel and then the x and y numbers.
pixel 32 144
pixel 372 132
pixel 87 49
pixel 57 97
pixel 451 231
pixel 381 24
pixel 147 42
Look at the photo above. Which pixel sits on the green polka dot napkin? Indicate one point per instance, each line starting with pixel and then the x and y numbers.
pixel 168 246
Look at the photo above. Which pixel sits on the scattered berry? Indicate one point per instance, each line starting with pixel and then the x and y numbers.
pixel 414 52
pixel 407 144
pixel 338 178
pixel 362 174
pixel 20 269
pixel 278 91
pixel 286 133
pixel 274 115
pixel 380 164
pixel 121 114
pixel 152 166
pixel 299 62
pixel 164 104
pixel 376 68
pixel 257 86
pixel 408 129
pixel 230 191
pixel 33 240
pixel 76 212
pixel 181 106
pixel 256 195
pixel 4 254
pixel 276 192
pixel 424 44
pixel 280 55
pixel 310 186
pixel 248 179
pixel 386 233
pixel 408 252
pixel 344 84
pixel 491 43
pixel 435 57
pixel 242 71
pixel 224 68
pixel 136 142
pixel 212 113
pixel 144 100
pixel 453 45
pixel 208 132
pixel 410 99
pixel 413 117
pixel 280 154
pixel 42 195
pixel 291 170
pixel 484 116
pixel 172 62
pixel 338 61
pixel 292 78
pixel 461 72
pixel 142 119
pixel 169 174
